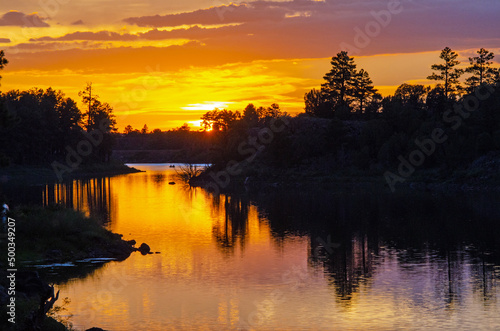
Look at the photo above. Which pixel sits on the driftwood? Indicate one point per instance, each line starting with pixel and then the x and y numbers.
pixel 49 302
pixel 31 285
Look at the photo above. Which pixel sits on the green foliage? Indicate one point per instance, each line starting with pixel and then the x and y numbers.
pixel 56 228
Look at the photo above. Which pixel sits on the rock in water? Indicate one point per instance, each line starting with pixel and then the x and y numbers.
pixel 144 249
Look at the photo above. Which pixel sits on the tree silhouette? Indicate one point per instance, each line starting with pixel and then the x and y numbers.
pixel 340 84
pixel 88 100
pixel 45 123
pixel 250 114
pixel 3 61
pixel 273 111
pixel 145 129
pixel 363 88
pixel 184 128
pixel 99 115
pixel 316 104
pixel 480 68
pixel 447 71
pixel 128 129
pixel 219 120
pixel 412 95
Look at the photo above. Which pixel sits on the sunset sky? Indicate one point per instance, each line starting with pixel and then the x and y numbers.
pixel 163 63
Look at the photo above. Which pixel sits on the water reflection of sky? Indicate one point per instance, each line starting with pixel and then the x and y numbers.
pixel 264 260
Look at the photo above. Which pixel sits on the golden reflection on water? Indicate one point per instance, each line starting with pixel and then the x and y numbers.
pixel 221 266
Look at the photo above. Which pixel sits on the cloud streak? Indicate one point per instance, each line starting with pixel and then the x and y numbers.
pixel 239 13
pixel 16 18
pixel 307 29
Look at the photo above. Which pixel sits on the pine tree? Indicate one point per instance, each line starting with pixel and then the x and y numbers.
pixel 363 89
pixel 340 84
pixel 128 129
pixel 99 115
pixel 447 71
pixel 480 68
pixel 316 104
pixel 3 61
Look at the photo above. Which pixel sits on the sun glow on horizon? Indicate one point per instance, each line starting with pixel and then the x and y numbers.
pixel 207 105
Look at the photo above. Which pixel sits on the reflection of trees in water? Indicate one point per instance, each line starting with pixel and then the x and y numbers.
pixel 159 178
pixel 348 263
pixel 92 196
pixel 352 233
pixel 232 228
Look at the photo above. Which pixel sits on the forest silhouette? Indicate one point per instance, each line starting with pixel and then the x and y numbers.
pixel 346 124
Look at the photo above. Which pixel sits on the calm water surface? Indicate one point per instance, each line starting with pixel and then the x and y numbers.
pixel 286 260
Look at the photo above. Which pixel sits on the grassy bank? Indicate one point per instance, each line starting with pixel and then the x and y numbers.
pixel 58 234
pixel 51 235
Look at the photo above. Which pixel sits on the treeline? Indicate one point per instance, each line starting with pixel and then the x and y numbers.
pixel 196 146
pixel 179 145
pixel 348 93
pixel 348 124
pixel 44 126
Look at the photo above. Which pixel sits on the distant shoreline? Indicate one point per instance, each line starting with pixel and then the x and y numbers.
pixel 159 156
pixel 40 174
pixel 483 175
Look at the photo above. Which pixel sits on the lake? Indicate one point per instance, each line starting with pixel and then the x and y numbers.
pixel 276 259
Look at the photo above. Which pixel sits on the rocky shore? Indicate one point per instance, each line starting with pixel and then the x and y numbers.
pixel 51 237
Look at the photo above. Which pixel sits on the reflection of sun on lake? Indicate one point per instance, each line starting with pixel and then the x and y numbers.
pixel 225 263
pixel 208 269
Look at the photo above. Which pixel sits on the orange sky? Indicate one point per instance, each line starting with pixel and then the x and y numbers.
pixel 163 63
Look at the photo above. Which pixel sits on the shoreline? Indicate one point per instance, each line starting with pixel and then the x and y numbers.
pixel 425 180
pixel 41 174
pixel 48 237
